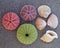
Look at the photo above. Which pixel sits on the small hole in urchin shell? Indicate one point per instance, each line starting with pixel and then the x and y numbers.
pixel 26 35
pixel 28 13
pixel 10 21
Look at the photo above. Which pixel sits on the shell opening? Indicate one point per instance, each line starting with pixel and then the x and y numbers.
pixel 51 34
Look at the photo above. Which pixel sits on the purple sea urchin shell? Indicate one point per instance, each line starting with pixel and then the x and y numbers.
pixel 28 12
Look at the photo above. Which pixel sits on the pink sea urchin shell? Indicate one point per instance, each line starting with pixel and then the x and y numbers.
pixel 10 21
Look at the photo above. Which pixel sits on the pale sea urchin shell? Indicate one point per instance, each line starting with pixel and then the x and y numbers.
pixel 40 23
pixel 52 21
pixel 44 11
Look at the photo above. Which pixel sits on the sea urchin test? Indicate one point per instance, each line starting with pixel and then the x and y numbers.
pixel 27 34
pixel 44 11
pixel 40 23
pixel 10 21
pixel 28 13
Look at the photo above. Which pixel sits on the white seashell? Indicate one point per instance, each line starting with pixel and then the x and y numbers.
pixel 40 23
pixel 44 11
pixel 49 36
pixel 52 21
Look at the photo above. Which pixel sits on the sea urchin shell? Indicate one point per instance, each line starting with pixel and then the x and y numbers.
pixel 28 12
pixel 40 23
pixel 27 34
pixel 10 21
pixel 44 11
pixel 52 21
